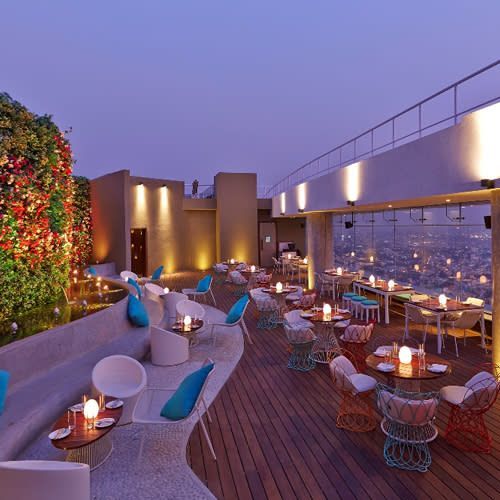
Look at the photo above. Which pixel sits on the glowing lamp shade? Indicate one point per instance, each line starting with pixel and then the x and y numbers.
pixel 448 261
pixel 371 279
pixel 405 355
pixel 327 311
pixel 289 256
pixel 305 260
pixel 252 269
pixel 353 253
pixel 372 258
pixel 279 287
pixel 483 279
pixel 187 321
pixel 90 412
pixel 442 300
pixel 166 290
pixel 391 284
pixel 339 270
pixel 459 275
pixel 416 267
pixel 232 261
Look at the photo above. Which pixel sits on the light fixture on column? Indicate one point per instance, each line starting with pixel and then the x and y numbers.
pixel 301 210
pixel 351 203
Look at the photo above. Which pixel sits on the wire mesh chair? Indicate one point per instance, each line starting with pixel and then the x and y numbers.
pixel 408 426
pixel 355 411
pixel 306 301
pixel 220 273
pixel 267 308
pixel 466 429
pixel 301 341
pixel 239 283
pixel 354 338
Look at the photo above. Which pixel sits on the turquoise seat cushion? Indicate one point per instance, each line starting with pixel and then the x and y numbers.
pixel 135 285
pixel 204 284
pixel 236 311
pixel 157 273
pixel 136 312
pixel 370 302
pixel 358 298
pixel 92 271
pixel 348 294
pixel 182 402
pixel 4 382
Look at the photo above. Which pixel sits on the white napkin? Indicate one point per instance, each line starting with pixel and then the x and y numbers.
pixel 385 367
pixel 338 317
pixel 436 367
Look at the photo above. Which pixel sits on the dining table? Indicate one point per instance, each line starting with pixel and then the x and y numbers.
pixel 452 308
pixel 280 297
pixel 381 288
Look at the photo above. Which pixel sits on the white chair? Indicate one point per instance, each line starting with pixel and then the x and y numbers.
pixel 125 275
pixel 190 308
pixel 239 321
pixel 419 316
pixel 154 292
pixel 295 295
pixel 171 300
pixel 120 377
pixel 148 409
pixel 168 348
pixel 192 292
pixel 465 321
pixel 294 319
pixel 39 479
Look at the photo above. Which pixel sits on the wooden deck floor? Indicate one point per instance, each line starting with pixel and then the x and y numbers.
pixel 274 432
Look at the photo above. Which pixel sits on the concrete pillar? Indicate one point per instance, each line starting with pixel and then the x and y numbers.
pixel 495 273
pixel 319 241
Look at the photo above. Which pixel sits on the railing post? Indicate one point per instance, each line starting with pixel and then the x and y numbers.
pixel 455 103
pixel 354 150
pixel 420 120
pixel 372 140
pixel 393 133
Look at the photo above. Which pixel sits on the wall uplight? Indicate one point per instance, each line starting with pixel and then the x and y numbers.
pixel 352 181
pixel 487 158
pixel 282 203
pixel 301 197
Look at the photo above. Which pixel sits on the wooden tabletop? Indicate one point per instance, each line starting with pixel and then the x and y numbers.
pixel 178 326
pixel 272 290
pixel 80 435
pixel 410 371
pixel 432 304
pixel 318 317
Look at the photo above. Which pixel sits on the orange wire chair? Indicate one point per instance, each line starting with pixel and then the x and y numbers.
pixel 466 429
pixel 354 338
pixel 355 412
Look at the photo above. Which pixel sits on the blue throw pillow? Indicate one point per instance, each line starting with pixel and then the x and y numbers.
pixel 204 284
pixel 135 285
pixel 92 271
pixel 4 382
pixel 236 311
pixel 181 403
pixel 136 312
pixel 157 273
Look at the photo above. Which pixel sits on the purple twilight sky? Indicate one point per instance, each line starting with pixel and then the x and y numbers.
pixel 183 89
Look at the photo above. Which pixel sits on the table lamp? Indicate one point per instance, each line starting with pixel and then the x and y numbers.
pixel 90 412
pixel 371 279
pixel 405 355
pixel 327 311
pixel 279 287
pixel 442 300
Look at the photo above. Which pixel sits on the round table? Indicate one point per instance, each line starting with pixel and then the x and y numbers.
pixel 281 299
pixel 88 446
pixel 188 332
pixel 409 376
pixel 323 350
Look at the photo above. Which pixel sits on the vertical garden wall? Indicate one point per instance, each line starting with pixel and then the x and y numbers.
pixel 43 210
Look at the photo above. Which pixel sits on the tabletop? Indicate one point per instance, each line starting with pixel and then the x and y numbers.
pixel 383 286
pixel 432 304
pixel 180 328
pixel 285 291
pixel 410 371
pixel 319 317
pixel 80 435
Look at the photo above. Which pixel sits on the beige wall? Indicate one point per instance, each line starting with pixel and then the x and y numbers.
pixel 200 250
pixel 236 226
pixel 110 216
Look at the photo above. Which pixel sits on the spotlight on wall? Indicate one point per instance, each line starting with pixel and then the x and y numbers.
pixel 488 183
pixel 351 203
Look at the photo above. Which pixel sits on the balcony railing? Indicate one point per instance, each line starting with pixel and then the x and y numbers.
pixel 440 110
pixel 203 191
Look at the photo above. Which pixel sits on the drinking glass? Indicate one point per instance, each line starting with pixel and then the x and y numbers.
pixel 395 350
pixel 84 399
pixel 71 416
pixel 421 361
pixel 387 356
pixel 102 402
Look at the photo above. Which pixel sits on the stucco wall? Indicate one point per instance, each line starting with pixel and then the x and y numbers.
pixel 236 226
pixel 111 221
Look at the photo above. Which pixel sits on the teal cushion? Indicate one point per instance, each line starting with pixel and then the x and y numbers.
pixel 181 403
pixel 349 294
pixel 137 312
pixel 204 284
pixel 236 311
pixel 4 382
pixel 157 273
pixel 370 302
pixel 135 285
pixel 92 271
pixel 358 298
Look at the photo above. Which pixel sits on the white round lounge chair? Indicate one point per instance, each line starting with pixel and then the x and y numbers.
pixel 121 377
pixel 171 300
pixel 190 308
pixel 36 479
pixel 168 348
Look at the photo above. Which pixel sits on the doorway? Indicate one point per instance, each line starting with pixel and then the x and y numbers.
pixel 267 236
pixel 138 251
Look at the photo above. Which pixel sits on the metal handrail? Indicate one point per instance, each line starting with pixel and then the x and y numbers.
pixel 300 175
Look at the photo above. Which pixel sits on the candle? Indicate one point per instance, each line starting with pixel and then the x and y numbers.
pixel 442 300
pixel 289 256
pixel 90 412
pixel 305 260
pixel 166 290
pixel 279 287
pixel 371 279
pixel 187 322
pixel 391 284
pixel 327 311
pixel 232 261
pixel 339 270
pixel 252 269
pixel 372 258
